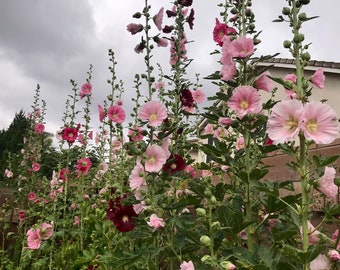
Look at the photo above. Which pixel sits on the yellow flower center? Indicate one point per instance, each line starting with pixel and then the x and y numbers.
pixel 173 166
pixel 151 159
pixel 244 104
pixel 153 117
pixel 125 219
pixel 312 125
pixel 291 124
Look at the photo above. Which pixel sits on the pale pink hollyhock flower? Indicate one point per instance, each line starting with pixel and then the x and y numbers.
pixel 39 128
pixel 320 123
pixel 228 70
pixel 59 135
pixel 33 238
pixel 8 173
pixel 35 167
pixel 290 94
pixel 136 179
pixel 206 173
pixel 140 207
pixel 285 120
pixel 86 196
pixel 155 222
pixel 318 78
pixel 161 42
pixel 239 143
pixel 335 237
pixel 104 168
pixel 134 28
pixel 155 158
pixel 46 231
pixel 31 196
pixel 187 265
pixel 158 19
pixel 244 100
pixel 264 82
pixel 243 235
pixel 159 85
pixel 198 96
pixel 209 129
pixel 326 183
pixel 221 133
pixel 37 112
pixel 241 47
pixel 116 144
pixel 154 112
pixel 76 220
pixel 225 121
pixel 191 170
pixel 334 255
pixel 165 146
pixel 86 90
pixel 116 114
pixel 290 77
pixel 320 263
pixel 101 113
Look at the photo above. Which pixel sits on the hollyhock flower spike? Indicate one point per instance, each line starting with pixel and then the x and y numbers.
pixel 244 100
pixel 320 123
pixel 187 265
pixel 326 183
pixel 284 122
pixel 154 112
pixel 318 78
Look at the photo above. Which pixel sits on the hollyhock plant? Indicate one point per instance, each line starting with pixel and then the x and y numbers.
pixel 241 47
pixel 155 158
pixel 187 265
pixel 244 100
pixel 86 90
pixel 33 238
pixel 284 121
pixel 154 112
pixel 116 114
pixel 318 78
pixel 320 123
pixel 264 82
pixel 156 222
pixel 326 183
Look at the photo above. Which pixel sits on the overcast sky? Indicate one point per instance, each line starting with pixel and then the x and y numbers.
pixel 49 42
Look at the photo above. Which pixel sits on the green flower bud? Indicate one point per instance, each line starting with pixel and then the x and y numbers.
pixel 302 17
pixel 206 259
pixel 201 212
pixel 287 44
pixel 298 38
pixel 234 11
pixel 213 200
pixel 286 11
pixel 305 56
pixel 304 2
pixel 137 15
pixel 227 265
pixel 205 240
pixel 289 85
pixel 207 193
pixel 216 225
pixel 251 26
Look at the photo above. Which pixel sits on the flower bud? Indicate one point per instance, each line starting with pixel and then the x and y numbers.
pixel 286 11
pixel 227 265
pixel 206 259
pixel 207 193
pixel 287 44
pixel 213 200
pixel 304 2
pixel 216 225
pixel 137 15
pixel 298 38
pixel 234 11
pixel 302 17
pixel 201 212
pixel 205 240
pixel 305 56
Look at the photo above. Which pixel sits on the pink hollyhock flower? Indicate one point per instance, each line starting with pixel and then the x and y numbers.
pixel 104 168
pixel 209 129
pixel 177 53
pixel 84 165
pixel 8 173
pixel 313 233
pixel 140 207
pixel 155 158
pixel 135 134
pixel 70 134
pixel 326 183
pixel 31 196
pixel 136 179
pixel 159 85
pixel 245 100
pixel 39 128
pixel 101 113
pixel 335 237
pixel 33 238
pixel 161 42
pixel 239 143
pixel 228 265
pixel 46 231
pixel 318 78
pixel 134 28
pixel 225 121
pixel 264 82
pixel 285 120
pixel 220 30
pixel 320 123
pixel 290 77
pixel 116 114
pixel 241 47
pixel 86 90
pixel 198 96
pixel 221 133
pixel 76 220
pixel 320 263
pixel 64 174
pixel 22 216
pixel 228 70
pixel 290 94
pixel 116 144
pixel 158 19
pixel 37 112
pixel 155 222
pixel 334 255
pixel 191 170
pixel 187 265
pixel 119 102
pixel 154 112
pixel 35 167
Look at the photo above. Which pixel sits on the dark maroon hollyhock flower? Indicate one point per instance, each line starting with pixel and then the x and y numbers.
pixel 175 163
pixel 170 13
pixel 121 215
pixel 167 29
pixel 186 98
pixel 185 3
pixel 191 19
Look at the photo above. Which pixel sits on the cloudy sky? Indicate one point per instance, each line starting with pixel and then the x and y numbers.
pixel 49 42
